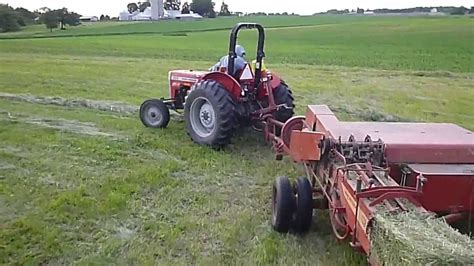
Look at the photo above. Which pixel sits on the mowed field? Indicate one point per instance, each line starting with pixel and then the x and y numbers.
pixel 82 181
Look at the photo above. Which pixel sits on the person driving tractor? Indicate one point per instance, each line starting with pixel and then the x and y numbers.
pixel 239 64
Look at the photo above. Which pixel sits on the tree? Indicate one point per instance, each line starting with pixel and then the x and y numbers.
pixel 72 19
pixel 460 11
pixel 44 10
pixel 143 5
pixel 186 9
pixel 50 19
pixel 224 10
pixel 104 17
pixel 204 8
pixel 132 7
pixel 8 19
pixel 172 4
pixel 262 14
pixel 26 17
pixel 67 18
pixel 62 17
pixel 360 11
pixel 212 14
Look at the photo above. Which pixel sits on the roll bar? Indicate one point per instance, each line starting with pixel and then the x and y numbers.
pixel 260 48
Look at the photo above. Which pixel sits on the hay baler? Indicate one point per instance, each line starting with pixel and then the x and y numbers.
pixel 355 169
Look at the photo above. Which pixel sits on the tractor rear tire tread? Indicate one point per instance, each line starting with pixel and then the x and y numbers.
pixel 224 108
pixel 284 95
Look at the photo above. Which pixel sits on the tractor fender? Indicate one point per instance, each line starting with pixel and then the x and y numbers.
pixel 229 82
pixel 274 83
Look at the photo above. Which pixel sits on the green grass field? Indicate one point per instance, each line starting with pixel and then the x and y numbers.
pixel 375 42
pixel 88 186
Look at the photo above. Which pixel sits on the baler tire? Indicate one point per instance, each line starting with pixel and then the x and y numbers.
pixel 220 106
pixel 154 114
pixel 303 217
pixel 283 95
pixel 283 205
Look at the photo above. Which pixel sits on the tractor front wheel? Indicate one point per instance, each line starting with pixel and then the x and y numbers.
pixel 283 205
pixel 155 114
pixel 210 114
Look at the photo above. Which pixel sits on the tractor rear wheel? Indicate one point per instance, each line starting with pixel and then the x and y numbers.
pixel 283 95
pixel 210 114
pixel 283 205
pixel 155 114
pixel 304 205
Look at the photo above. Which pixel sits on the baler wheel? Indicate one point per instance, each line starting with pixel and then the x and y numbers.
pixel 283 95
pixel 155 114
pixel 283 205
pixel 210 114
pixel 303 215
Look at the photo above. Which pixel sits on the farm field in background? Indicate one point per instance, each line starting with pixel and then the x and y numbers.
pixel 87 183
pixel 173 26
pixel 375 42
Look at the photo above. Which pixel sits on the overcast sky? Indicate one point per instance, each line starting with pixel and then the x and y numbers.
pixel 304 7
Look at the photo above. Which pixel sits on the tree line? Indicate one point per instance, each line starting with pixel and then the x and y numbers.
pixel 13 19
pixel 452 10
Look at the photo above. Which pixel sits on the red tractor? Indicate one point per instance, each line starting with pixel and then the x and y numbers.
pixel 215 103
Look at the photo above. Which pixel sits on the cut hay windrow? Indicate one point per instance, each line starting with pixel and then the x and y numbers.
pixel 413 238
pixel 107 106
pixel 110 106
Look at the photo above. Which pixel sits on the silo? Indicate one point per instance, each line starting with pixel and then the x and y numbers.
pixel 157 9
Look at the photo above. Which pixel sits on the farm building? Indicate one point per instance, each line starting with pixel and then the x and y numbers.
pixel 89 19
pixel 156 12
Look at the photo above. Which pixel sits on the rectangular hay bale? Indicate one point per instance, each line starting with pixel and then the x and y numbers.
pixel 413 238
